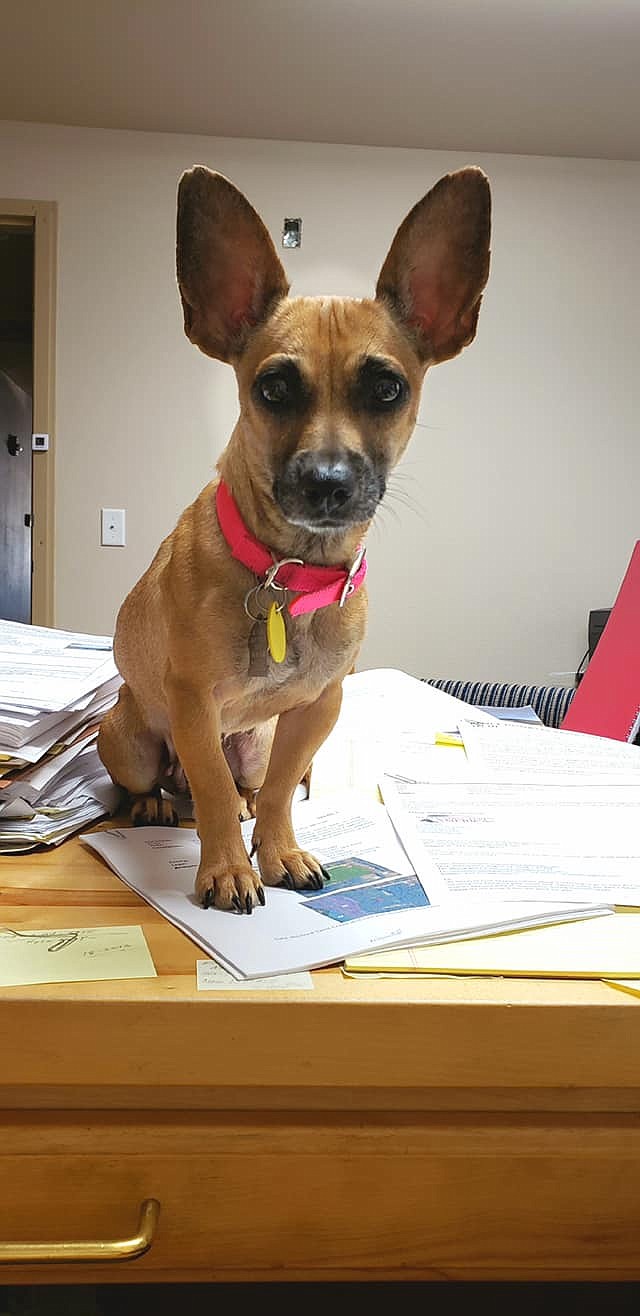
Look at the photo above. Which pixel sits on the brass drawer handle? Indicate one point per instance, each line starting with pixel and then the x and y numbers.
pixel 119 1249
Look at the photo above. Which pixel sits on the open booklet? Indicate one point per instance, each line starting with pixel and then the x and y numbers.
pixel 374 898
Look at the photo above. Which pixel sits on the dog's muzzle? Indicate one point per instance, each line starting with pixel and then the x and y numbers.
pixel 328 492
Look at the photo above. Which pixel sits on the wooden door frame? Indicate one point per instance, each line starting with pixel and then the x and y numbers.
pixel 45 217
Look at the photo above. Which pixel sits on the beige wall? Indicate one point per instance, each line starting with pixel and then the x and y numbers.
pixel 518 499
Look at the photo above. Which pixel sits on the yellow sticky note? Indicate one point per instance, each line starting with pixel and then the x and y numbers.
pixel 72 955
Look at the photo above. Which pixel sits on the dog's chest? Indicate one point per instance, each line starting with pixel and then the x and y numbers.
pixel 268 688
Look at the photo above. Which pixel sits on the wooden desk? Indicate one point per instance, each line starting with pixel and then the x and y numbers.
pixel 446 1129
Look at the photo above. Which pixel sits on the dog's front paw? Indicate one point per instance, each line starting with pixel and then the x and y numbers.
pixel 290 867
pixel 232 886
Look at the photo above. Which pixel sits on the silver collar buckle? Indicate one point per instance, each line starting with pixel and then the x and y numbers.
pixel 348 586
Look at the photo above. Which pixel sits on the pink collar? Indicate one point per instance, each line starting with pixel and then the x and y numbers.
pixel 316 587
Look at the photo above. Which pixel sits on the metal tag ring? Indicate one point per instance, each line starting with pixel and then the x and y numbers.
pixel 257 589
pixel 270 582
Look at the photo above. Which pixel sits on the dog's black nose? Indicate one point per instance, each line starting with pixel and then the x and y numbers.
pixel 326 485
pixel 330 490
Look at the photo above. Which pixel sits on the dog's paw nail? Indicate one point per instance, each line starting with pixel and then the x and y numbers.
pixel 325 874
pixel 261 895
pixel 235 904
pixel 207 899
pixel 248 903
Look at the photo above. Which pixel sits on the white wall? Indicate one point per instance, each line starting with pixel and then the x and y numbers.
pixel 518 499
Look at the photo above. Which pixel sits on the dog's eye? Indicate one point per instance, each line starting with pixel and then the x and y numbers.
pixel 280 388
pixel 274 389
pixel 386 390
pixel 379 387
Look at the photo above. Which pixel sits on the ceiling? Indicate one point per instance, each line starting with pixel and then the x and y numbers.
pixel 524 76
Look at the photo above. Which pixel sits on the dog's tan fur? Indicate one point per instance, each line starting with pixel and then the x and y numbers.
pixel 188 711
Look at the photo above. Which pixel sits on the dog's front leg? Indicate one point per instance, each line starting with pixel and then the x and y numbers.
pixel 225 876
pixel 300 733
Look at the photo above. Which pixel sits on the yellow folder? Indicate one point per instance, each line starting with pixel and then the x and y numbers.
pixel 607 946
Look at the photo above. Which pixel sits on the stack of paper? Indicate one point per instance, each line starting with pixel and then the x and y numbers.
pixel 384 891
pixel 588 948
pixel 516 815
pixel 519 817
pixel 54 688
pixel 374 897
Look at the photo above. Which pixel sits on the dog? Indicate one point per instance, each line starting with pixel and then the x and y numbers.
pixel 234 644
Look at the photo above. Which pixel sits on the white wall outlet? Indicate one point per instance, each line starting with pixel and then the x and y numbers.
pixel 112 527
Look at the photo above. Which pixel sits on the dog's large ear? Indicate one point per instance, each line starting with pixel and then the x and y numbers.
pixel 229 274
pixel 438 265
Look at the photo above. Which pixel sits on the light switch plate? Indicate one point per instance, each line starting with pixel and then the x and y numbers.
pixel 112 527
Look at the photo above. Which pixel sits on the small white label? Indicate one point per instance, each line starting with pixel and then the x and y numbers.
pixel 213 978
pixel 39 442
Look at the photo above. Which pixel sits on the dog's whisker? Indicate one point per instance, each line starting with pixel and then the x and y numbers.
pixel 403 480
pixel 402 499
pixel 408 504
pixel 388 511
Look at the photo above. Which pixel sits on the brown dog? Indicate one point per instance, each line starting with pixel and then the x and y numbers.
pixel 329 391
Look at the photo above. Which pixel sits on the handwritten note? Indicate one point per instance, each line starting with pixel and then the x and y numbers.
pixel 213 978
pixel 72 955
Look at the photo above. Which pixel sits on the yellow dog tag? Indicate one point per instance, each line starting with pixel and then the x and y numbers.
pixel 276 634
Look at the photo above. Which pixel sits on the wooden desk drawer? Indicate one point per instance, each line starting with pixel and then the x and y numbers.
pixel 335 1197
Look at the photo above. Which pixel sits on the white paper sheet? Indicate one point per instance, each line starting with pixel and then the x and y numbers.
pixel 520 841
pixel 45 670
pixel 211 977
pixel 388 722
pixel 500 751
pixel 39 683
pixel 20 637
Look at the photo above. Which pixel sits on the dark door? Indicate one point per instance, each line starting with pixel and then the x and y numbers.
pixel 16 412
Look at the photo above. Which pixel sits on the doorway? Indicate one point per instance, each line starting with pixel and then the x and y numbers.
pixel 28 258
pixel 17 242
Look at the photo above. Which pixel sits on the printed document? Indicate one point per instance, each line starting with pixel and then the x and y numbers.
pixel 511 840
pixel 499 751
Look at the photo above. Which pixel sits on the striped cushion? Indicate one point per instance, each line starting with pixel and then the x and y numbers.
pixel 550 702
